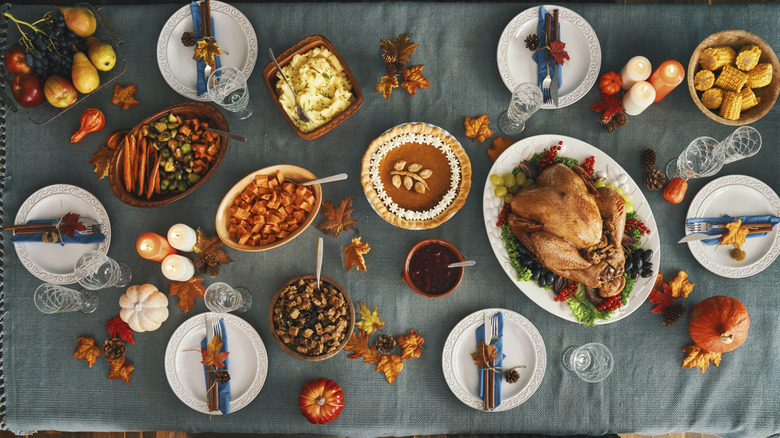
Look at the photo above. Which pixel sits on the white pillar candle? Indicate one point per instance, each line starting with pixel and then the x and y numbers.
pixel 639 97
pixel 182 237
pixel 178 268
pixel 636 69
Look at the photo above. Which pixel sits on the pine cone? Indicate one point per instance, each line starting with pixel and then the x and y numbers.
pixel 648 160
pixel 188 39
pixel 511 375
pixel 199 261
pixel 389 57
pixel 210 270
pixel 385 344
pixel 673 314
pixel 399 66
pixel 621 119
pixel 606 119
pixel 390 70
pixel 532 42
pixel 114 348
pixel 655 179
pixel 222 376
pixel 612 126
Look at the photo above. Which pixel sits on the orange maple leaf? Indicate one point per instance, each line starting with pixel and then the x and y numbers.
pixel 478 128
pixel 359 344
pixel 680 286
pixel 187 291
pixel 338 219
pixel 121 369
pixel 386 85
pixel 87 350
pixel 401 47
pixel 391 366
pixel 484 354
pixel 411 346
pixel 500 144
pixel 125 96
pixel 663 297
pixel 353 254
pixel 102 161
pixel 413 79
pixel 736 234
pixel 699 357
pixel 212 356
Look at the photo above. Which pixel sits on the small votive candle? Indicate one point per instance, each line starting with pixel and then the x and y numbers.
pixel 639 97
pixel 182 237
pixel 666 77
pixel 636 69
pixel 153 247
pixel 178 268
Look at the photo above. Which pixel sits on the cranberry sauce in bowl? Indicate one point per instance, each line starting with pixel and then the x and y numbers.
pixel 426 271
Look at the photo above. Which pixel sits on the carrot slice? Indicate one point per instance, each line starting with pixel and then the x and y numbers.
pixel 142 165
pixel 127 166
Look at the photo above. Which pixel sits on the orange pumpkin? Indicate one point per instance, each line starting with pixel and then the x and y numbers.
pixel 610 83
pixel 321 401
pixel 674 192
pixel 719 324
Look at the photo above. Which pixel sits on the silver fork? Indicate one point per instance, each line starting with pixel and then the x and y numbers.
pixel 494 326
pixel 217 329
pixel 548 80
pixel 698 227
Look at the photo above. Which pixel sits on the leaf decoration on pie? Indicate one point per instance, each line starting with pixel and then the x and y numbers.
pixel 391 366
pixel 478 128
pixel 118 328
pixel 699 357
pixel 411 345
pixel 359 344
pixel 500 144
pixel 484 354
pixel 121 369
pixel 369 321
pixel 558 51
pixel 211 355
pixel 210 255
pixel 87 350
pixel 337 219
pixel 736 234
pixel 680 285
pixel 207 49
pixel 187 291
pixel 401 47
pixel 662 295
pixel 125 96
pixel 414 79
pixel 386 85
pixel 353 254
pixel 609 105
pixel 102 161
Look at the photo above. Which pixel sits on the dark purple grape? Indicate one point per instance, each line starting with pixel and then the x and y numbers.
pixel 535 275
pixel 28 58
pixel 647 255
pixel 646 273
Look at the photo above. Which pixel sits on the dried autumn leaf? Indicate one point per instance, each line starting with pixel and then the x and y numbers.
pixel 558 51
pixel 386 85
pixel 359 344
pixel 663 297
pixel 401 47
pixel 391 366
pixel 70 223
pixel 353 254
pixel 411 346
pixel 212 356
pixel 699 357
pixel 369 321
pixel 610 105
pixel 187 291
pixel 736 234
pixel 87 350
pixel 102 161
pixel 659 280
pixel 207 49
pixel 500 144
pixel 337 219
pixel 121 369
pixel 478 128
pixel 209 252
pixel 413 79
pixel 117 327
pixel 680 286
pixel 125 96
pixel 484 354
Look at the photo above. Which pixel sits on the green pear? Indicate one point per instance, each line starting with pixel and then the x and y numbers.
pixel 101 54
pixel 84 74
pixel 80 21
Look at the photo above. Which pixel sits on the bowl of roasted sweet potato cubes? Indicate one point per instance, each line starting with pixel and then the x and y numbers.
pixel 168 155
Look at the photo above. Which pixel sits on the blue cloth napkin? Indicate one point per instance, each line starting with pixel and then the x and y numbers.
pixel 541 55
pixel 197 23
pixel 497 363
pixel 223 389
pixel 38 237
pixel 725 219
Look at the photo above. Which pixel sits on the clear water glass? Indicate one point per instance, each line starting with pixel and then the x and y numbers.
pixel 526 100
pixel 227 87
pixel 591 362
pixel 222 298
pixel 95 270
pixel 742 143
pixel 702 158
pixel 53 298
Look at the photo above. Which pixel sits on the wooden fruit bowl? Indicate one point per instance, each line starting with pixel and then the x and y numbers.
pixel 767 95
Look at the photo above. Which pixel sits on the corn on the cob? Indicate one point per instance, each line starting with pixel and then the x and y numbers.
pixel 749 99
pixel 712 98
pixel 730 108
pixel 760 76
pixel 714 58
pixel 731 79
pixel 747 58
pixel 704 80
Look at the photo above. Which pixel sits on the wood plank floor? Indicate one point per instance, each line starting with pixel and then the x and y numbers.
pixel 55 434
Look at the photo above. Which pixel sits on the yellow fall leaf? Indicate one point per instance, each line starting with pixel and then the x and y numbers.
pixel 353 254
pixel 500 144
pixel 386 85
pixel 413 79
pixel 87 350
pixel 121 369
pixel 411 346
pixel 369 321
pixel 680 286
pixel 207 49
pixel 391 366
pixel 102 161
pixel 401 47
pixel 699 357
pixel 736 234
pixel 478 128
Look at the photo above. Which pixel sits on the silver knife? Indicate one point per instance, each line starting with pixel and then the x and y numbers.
pixel 209 329
pixel 554 85
pixel 699 236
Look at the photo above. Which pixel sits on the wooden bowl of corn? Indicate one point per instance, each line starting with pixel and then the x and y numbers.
pixel 734 77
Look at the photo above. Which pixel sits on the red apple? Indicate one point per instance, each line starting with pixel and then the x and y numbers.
pixel 27 90
pixel 15 62
pixel 60 92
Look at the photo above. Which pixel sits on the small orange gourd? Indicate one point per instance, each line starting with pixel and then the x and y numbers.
pixel 719 324
pixel 674 192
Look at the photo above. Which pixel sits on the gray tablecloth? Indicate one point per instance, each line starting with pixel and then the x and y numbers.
pixel 45 388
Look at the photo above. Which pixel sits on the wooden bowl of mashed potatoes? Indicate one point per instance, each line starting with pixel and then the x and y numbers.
pixel 324 84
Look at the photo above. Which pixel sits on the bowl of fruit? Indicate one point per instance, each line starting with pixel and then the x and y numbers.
pixel 168 155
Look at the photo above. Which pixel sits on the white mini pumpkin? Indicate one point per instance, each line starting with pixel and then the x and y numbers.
pixel 144 308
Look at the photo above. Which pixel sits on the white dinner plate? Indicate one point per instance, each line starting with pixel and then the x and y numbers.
pixel 736 195
pixel 580 72
pixel 573 148
pixel 248 361
pixel 54 263
pixel 523 345
pixel 233 32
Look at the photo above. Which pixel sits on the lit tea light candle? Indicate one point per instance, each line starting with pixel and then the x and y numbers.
pixel 669 75
pixel 636 69
pixel 639 97
pixel 153 247
pixel 178 268
pixel 182 237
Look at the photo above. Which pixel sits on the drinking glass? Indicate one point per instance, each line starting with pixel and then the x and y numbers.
pixel 53 298
pixel 591 362
pixel 222 298
pixel 227 87
pixel 526 100
pixel 95 270
pixel 742 143
pixel 702 158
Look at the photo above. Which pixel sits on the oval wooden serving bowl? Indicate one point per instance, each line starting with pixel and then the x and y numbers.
pixel 292 173
pixel 351 315
pixel 200 110
pixel 736 39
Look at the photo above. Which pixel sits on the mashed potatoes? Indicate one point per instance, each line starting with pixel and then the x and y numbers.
pixel 321 84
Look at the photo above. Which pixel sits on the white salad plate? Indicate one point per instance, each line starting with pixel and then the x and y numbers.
pixel 248 361
pixel 51 262
pixel 523 345
pixel 578 149
pixel 736 195
pixel 233 32
pixel 580 72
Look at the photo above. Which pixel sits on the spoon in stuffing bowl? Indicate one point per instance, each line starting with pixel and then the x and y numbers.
pixel 319 261
pixel 301 113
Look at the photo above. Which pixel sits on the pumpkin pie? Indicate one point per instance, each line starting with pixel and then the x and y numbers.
pixel 416 175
